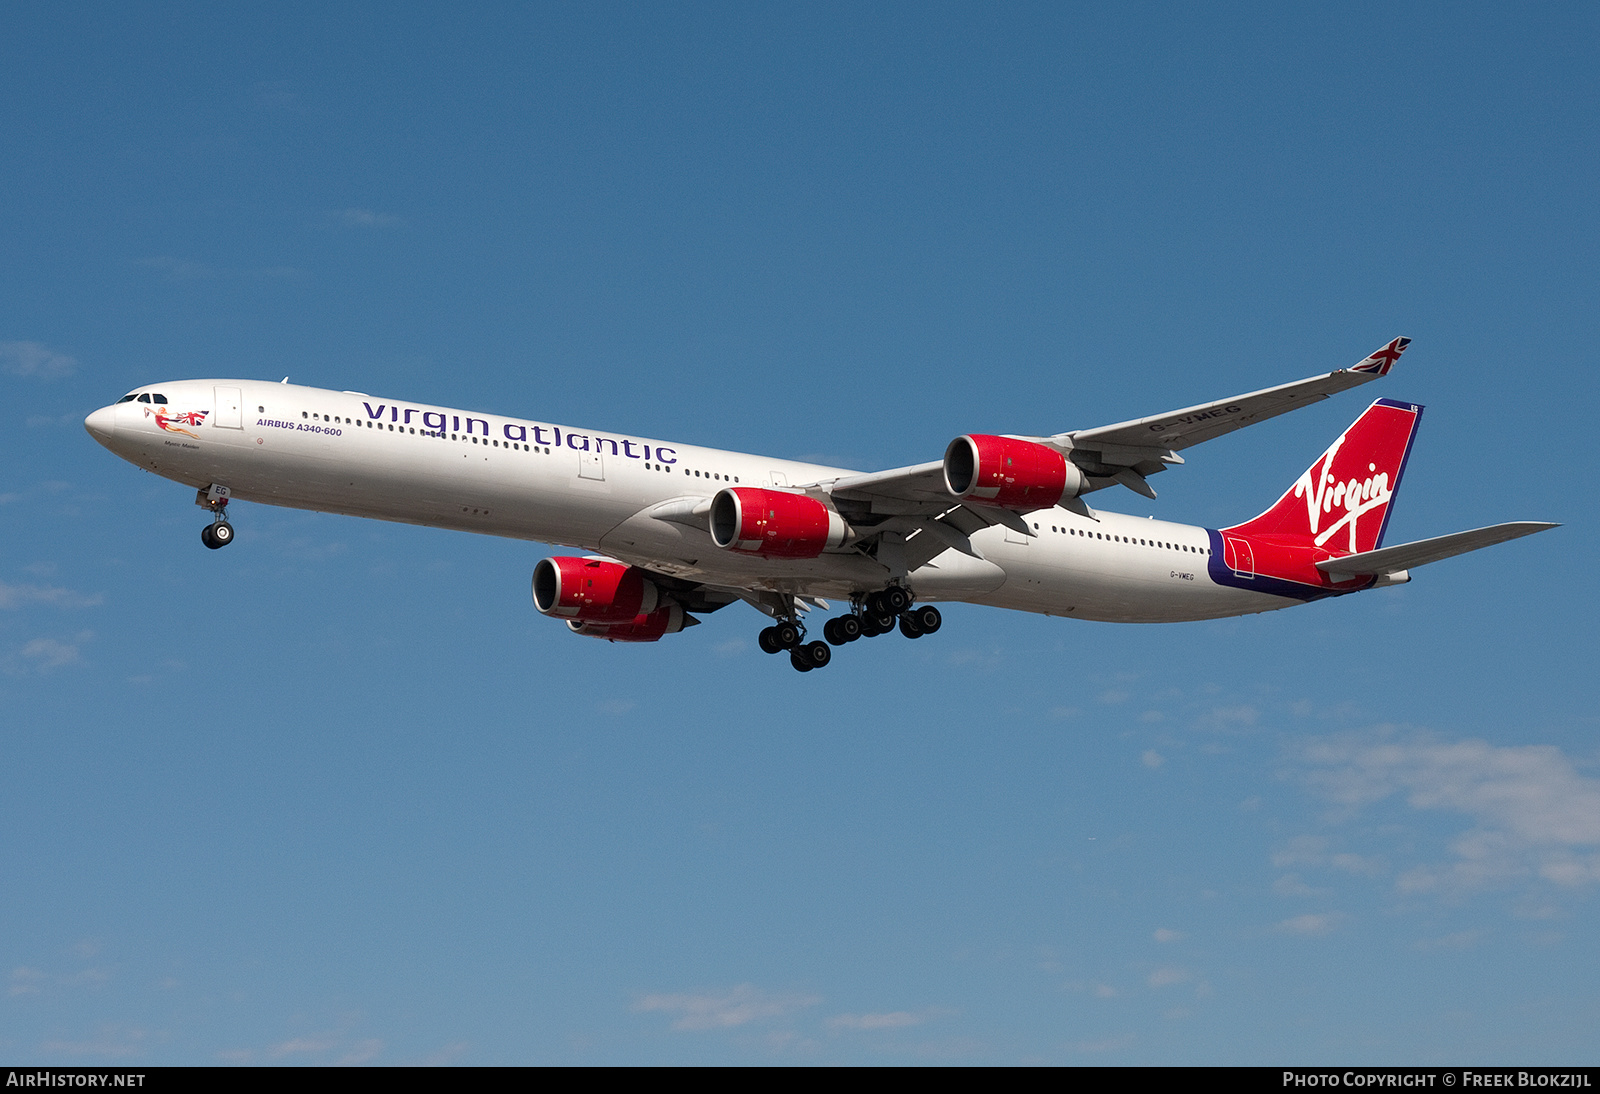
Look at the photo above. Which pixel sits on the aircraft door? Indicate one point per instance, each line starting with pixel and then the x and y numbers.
pixel 1240 557
pixel 591 467
pixel 230 409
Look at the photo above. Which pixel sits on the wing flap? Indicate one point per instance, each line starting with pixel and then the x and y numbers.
pixel 1388 560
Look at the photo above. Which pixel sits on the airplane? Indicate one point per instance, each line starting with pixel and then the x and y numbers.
pixel 674 531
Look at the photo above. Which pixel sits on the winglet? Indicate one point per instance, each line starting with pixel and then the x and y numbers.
pixel 1383 360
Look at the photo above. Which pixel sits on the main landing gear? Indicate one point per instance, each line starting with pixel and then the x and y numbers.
pixel 219 533
pixel 789 635
pixel 871 615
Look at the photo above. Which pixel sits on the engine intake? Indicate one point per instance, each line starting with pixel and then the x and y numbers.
pixel 1008 473
pixel 774 524
pixel 593 590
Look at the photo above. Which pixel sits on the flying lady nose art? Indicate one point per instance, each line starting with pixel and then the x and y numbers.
pixel 172 421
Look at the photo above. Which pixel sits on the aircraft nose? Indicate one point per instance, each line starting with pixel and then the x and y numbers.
pixel 100 423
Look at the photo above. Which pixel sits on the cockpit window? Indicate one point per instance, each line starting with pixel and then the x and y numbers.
pixel 128 398
pixel 145 398
pixel 158 399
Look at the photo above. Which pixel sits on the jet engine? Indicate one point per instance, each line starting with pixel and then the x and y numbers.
pixel 594 590
pixel 1009 473
pixel 774 524
pixel 667 619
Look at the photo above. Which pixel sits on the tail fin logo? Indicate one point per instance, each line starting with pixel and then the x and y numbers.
pixel 1352 498
pixel 1341 502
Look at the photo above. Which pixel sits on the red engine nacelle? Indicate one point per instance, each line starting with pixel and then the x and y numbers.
pixel 774 524
pixel 667 619
pixel 593 590
pixel 1009 473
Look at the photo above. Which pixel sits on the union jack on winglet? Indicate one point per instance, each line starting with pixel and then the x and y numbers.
pixel 1382 361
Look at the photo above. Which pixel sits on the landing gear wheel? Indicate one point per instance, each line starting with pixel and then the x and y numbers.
pixel 830 631
pixel 221 533
pixel 768 640
pixel 882 624
pixel 207 538
pixel 848 627
pixel 928 618
pixel 909 626
pixel 800 663
pixel 814 655
pixel 895 600
pixel 787 635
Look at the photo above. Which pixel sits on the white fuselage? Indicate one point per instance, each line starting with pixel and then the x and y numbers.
pixel 346 452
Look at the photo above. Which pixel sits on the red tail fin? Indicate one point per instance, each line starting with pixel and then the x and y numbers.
pixel 1341 503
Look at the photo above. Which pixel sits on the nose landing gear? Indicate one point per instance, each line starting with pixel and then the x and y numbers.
pixel 219 533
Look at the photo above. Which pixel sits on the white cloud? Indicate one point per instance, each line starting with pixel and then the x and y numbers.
pixel 1291 885
pixel 1152 759
pixel 1300 851
pixel 1239 716
pixel 442 1056
pixel 898 1019
pixel 724 1010
pixel 1312 925
pixel 361 1052
pixel 1167 976
pixel 35 359
pixel 1534 814
pixel 15 596
pixel 298 1046
pixel 26 981
pixel 44 654
pixel 1166 934
pixel 112 1041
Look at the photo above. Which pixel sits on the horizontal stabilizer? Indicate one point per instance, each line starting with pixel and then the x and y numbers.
pixel 1388 560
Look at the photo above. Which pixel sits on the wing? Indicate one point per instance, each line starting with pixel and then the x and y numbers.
pixel 1178 429
pixel 1391 560
pixel 1130 452
pixel 1125 453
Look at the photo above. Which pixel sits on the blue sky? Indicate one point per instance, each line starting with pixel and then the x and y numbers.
pixel 338 794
